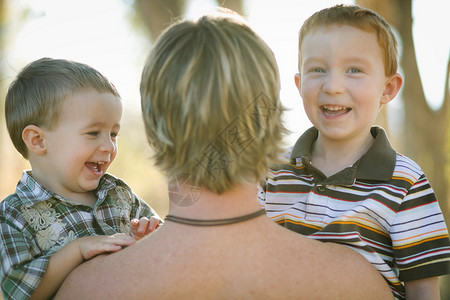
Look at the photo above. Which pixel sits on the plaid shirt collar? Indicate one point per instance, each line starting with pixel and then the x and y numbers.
pixel 31 192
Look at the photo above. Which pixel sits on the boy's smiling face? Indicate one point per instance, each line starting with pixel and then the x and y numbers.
pixel 342 81
pixel 83 145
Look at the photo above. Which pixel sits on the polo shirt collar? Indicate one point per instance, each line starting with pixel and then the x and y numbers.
pixel 367 167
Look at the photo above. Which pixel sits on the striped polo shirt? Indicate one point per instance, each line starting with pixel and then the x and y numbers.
pixel 382 206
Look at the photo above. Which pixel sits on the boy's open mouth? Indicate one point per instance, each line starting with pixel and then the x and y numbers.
pixel 95 166
pixel 334 110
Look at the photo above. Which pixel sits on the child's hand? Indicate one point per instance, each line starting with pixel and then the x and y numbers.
pixel 143 226
pixel 91 246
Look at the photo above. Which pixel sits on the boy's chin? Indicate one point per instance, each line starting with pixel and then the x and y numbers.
pixel 91 185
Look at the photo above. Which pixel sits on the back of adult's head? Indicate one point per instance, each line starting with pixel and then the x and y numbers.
pixel 210 102
pixel 36 95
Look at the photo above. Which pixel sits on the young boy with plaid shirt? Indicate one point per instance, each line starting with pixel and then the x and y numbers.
pixel 64 117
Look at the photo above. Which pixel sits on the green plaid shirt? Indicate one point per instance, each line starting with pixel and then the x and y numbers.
pixel 35 223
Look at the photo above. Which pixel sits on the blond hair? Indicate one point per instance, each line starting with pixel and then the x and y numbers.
pixel 36 95
pixel 359 17
pixel 210 102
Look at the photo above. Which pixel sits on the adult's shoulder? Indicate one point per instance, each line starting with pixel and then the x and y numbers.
pixel 349 269
pixel 111 276
pixel 85 280
pixel 330 270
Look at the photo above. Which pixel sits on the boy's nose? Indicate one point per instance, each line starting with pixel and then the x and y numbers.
pixel 333 83
pixel 108 145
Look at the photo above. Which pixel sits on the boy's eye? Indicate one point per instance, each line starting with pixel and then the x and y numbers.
pixel 93 133
pixel 318 70
pixel 114 135
pixel 354 70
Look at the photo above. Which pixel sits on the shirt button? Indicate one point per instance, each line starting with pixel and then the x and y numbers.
pixel 321 188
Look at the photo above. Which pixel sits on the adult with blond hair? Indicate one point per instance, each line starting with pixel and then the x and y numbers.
pixel 211 107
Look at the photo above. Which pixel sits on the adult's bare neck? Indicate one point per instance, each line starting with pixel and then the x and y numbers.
pixel 237 201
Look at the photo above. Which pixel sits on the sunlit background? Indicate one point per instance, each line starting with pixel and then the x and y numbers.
pixel 103 34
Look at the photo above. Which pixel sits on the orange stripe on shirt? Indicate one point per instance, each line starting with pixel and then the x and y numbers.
pixel 419 242
pixel 402 178
pixel 408 238
pixel 361 225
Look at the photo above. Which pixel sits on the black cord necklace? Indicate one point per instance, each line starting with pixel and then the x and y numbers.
pixel 217 222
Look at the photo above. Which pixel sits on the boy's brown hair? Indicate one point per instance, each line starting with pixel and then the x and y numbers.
pixel 36 95
pixel 359 17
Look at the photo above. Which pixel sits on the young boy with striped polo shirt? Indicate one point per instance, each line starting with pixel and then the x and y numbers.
pixel 342 181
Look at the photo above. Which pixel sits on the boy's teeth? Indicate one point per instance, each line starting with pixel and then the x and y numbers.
pixel 95 166
pixel 335 110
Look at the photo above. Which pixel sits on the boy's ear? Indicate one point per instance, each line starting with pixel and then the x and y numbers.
pixel 392 87
pixel 34 138
pixel 298 81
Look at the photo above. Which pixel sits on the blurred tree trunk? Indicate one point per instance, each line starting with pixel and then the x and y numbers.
pixel 425 131
pixel 2 87
pixel 2 50
pixel 156 15
pixel 12 163
pixel 235 5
